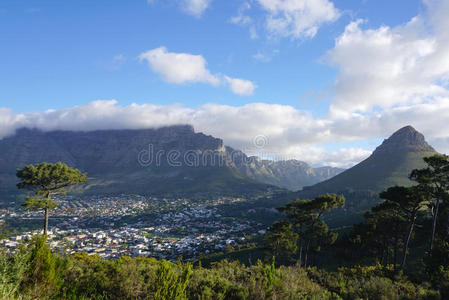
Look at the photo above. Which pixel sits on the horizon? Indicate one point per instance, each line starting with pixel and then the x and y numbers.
pixel 323 83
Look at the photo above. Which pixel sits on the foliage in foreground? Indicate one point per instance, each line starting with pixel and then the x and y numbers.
pixel 35 272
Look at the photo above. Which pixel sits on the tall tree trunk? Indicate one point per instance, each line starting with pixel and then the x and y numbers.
pixel 434 223
pixel 300 252
pixel 407 240
pixel 395 252
pixel 382 256
pixel 388 253
pixel 385 251
pixel 447 225
pixel 46 221
pixel 307 253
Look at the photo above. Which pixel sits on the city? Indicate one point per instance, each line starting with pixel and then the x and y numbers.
pixel 114 226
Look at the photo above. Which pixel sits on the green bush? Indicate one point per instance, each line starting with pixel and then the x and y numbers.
pixel 43 273
pixel 12 272
pixel 371 282
pixel 35 272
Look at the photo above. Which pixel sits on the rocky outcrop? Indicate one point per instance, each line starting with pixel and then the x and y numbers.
pixel 405 139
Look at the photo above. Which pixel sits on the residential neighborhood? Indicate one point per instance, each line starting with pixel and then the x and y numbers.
pixel 133 225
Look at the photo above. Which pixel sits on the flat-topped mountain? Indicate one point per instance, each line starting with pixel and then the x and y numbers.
pixel 172 159
pixel 99 151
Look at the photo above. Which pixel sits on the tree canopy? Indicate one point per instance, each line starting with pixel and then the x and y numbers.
pixel 46 180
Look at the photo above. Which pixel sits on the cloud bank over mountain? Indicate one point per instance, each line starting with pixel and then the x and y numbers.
pixel 286 131
pixel 387 77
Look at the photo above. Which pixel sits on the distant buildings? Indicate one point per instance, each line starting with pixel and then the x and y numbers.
pixel 163 228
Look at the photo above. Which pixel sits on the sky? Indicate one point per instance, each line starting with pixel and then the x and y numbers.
pixel 323 81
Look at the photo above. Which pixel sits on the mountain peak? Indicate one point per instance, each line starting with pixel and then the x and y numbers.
pixel 407 138
pixel 389 165
pixel 406 131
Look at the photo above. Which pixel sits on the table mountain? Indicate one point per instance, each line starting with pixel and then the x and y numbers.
pixel 172 159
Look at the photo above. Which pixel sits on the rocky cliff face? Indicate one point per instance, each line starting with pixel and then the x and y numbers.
pixel 289 174
pixel 99 151
pixel 172 158
pixel 405 139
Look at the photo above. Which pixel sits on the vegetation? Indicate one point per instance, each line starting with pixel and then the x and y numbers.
pixel 404 221
pixel 47 180
pixel 399 251
pixel 35 272
pixel 391 225
pixel 435 179
pixel 404 204
pixel 303 225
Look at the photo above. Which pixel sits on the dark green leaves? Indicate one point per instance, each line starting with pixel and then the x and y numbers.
pixel 281 239
pixel 48 179
pixel 38 203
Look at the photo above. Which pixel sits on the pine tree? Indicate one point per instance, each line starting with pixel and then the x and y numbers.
pixel 47 180
pixel 435 179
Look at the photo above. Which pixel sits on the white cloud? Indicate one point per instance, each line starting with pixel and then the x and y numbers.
pixel 389 67
pixel 182 68
pixel 316 156
pixel 289 133
pixel 241 18
pixel 9 122
pixel 179 67
pixel 262 57
pixel 253 32
pixel 288 18
pixel 241 86
pixel 195 7
pixel 297 18
pixel 116 63
pixel 265 56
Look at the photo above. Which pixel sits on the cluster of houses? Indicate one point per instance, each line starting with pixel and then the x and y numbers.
pixel 182 228
pixel 91 206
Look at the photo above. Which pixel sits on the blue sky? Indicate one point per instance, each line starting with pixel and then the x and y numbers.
pixel 62 54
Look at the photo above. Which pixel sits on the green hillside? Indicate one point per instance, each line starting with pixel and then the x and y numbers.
pixel 390 164
pixel 375 173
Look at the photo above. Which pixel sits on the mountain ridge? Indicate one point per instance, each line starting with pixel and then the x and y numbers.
pixel 117 158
